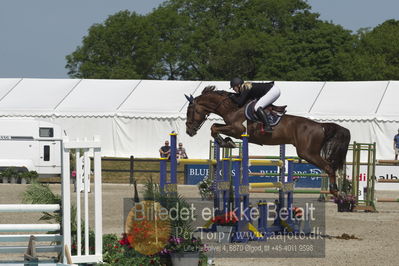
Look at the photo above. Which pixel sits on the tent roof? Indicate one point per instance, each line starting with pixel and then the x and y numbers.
pixel 158 97
pixel 356 100
pixel 97 97
pixel 362 100
pixel 388 106
pixel 298 96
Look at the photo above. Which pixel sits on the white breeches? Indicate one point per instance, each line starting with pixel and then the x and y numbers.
pixel 270 97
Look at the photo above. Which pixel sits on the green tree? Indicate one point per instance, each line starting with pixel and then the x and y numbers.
pixel 214 40
pixel 376 54
pixel 121 48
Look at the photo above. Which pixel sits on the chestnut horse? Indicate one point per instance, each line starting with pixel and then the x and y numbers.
pixel 322 144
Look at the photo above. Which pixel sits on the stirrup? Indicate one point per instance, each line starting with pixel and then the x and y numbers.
pixel 263 129
pixel 267 129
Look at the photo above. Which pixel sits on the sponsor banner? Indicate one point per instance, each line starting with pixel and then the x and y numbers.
pixel 263 169
pixel 388 172
pixel 307 181
pixel 194 173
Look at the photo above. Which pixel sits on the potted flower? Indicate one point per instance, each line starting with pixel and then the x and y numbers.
pixel 207 188
pixel 345 203
pixel 28 177
pixel 184 251
pixel 225 225
pixel 9 175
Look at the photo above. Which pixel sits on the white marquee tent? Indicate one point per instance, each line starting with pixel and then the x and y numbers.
pixel 134 117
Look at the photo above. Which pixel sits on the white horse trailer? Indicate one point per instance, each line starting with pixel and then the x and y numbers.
pixel 31 145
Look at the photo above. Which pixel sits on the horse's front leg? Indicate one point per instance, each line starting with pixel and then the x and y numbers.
pixel 234 130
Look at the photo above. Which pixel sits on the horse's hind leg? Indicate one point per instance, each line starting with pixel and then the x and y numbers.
pixel 317 160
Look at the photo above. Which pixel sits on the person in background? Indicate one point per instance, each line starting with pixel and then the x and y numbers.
pixel 396 145
pixel 181 152
pixel 164 151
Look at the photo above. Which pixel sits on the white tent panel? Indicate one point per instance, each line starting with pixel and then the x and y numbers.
pixel 383 135
pixel 97 96
pixel 31 95
pixel 158 97
pixel 87 127
pixel 358 99
pixel 6 85
pixel 298 96
pixel 141 137
pixel 388 108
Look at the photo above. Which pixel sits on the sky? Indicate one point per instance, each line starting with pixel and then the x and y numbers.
pixel 36 35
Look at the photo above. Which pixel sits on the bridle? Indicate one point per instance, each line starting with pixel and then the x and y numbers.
pixel 196 128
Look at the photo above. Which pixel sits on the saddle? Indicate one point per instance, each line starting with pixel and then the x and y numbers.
pixel 273 112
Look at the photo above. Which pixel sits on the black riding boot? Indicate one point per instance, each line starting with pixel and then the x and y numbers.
pixel 263 117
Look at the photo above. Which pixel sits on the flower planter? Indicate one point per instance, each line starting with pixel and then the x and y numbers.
pixel 345 206
pixel 185 258
pixel 224 233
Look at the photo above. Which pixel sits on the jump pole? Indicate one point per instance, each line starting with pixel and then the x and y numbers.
pixel 388 200
pixel 241 185
pixel 367 203
pixel 171 185
pixel 297 191
pixel 241 189
pixel 222 180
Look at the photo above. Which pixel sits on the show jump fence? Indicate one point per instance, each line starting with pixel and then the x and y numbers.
pixel 63 237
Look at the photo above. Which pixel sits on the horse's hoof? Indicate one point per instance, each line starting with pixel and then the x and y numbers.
pixel 231 144
pixel 227 139
pixel 220 141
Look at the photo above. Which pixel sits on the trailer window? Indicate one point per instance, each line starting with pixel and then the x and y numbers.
pixel 46 132
pixel 46 153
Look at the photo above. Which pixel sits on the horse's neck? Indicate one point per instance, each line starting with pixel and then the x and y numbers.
pixel 221 105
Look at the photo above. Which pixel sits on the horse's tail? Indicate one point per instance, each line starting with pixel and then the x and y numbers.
pixel 335 147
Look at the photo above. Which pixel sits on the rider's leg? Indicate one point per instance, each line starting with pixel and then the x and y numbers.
pixel 268 98
pixel 263 117
pixel 264 101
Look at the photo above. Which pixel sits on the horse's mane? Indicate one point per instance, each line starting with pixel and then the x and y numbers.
pixel 212 90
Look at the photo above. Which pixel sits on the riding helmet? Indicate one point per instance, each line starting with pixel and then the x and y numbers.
pixel 236 82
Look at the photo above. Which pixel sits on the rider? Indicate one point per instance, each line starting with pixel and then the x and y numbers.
pixel 267 93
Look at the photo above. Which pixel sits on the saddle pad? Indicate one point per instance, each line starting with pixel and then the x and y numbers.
pixel 250 114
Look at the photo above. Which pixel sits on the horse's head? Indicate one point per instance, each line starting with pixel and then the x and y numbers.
pixel 210 101
pixel 196 116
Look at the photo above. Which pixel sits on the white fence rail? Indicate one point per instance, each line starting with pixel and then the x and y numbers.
pixel 64 239
pixel 29 207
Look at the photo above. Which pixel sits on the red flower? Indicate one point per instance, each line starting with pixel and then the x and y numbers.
pixel 225 219
pixel 124 242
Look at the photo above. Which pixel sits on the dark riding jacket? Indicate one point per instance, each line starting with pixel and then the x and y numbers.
pixel 251 91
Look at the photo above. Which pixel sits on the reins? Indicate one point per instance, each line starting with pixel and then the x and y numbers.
pixel 214 111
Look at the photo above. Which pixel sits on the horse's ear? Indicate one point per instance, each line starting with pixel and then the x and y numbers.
pixel 189 99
